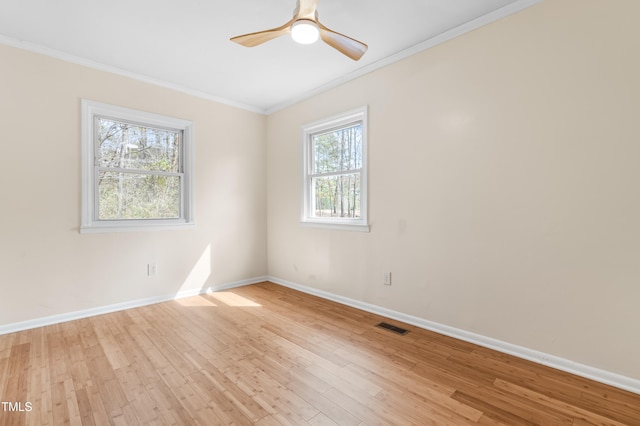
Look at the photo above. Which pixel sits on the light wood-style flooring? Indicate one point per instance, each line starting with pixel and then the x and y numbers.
pixel 268 355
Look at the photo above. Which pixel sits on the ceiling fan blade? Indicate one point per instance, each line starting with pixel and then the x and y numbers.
pixel 307 9
pixel 257 38
pixel 345 45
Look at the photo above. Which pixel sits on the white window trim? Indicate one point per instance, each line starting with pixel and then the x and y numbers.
pixel 90 223
pixel 356 224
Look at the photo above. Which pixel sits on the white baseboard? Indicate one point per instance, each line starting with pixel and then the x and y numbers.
pixel 602 376
pixel 55 319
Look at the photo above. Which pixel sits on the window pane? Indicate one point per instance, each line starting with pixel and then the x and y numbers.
pixel 131 146
pixel 336 196
pixel 337 150
pixel 138 196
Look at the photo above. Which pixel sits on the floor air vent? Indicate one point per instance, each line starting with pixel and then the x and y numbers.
pixel 393 328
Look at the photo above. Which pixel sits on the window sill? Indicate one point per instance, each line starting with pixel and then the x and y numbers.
pixel 106 228
pixel 340 226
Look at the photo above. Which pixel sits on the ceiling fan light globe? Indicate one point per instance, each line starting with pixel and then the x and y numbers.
pixel 305 31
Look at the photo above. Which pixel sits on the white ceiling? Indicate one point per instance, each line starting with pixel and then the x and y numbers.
pixel 185 44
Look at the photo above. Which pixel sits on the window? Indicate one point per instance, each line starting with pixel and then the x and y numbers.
pixel 335 172
pixel 137 170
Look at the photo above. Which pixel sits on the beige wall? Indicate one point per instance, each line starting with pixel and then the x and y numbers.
pixel 504 185
pixel 46 266
pixel 503 188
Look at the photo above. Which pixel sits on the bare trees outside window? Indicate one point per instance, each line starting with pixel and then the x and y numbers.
pixel 335 171
pixel 137 170
pixel 337 164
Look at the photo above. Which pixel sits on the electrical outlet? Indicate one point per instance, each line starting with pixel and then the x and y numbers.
pixel 152 269
pixel 387 278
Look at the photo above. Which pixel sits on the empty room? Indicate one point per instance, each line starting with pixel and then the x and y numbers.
pixel 282 212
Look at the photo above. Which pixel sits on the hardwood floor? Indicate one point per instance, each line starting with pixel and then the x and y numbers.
pixel 264 354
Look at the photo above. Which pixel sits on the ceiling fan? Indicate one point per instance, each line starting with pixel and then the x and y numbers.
pixel 305 28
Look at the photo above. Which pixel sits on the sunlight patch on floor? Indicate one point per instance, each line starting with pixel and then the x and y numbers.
pixel 195 301
pixel 231 299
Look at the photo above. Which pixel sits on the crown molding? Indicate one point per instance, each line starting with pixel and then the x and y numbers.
pixel 474 24
pixel 500 13
pixel 57 54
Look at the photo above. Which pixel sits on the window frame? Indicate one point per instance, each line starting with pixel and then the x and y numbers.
pixel 90 110
pixel 343 120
